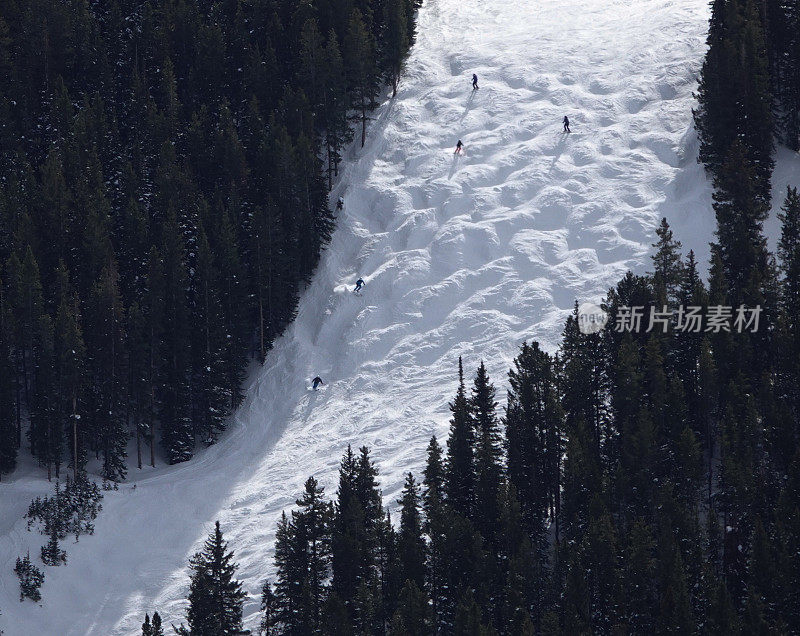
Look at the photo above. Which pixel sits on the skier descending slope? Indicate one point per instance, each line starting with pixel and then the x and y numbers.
pixel 459 146
pixel 474 81
pixel 359 285
pixel 566 124
pixel 339 203
pixel 316 382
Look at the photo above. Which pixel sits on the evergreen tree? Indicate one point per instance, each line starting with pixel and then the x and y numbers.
pixel 152 628
pixel 70 353
pixel 215 596
pixel 210 385
pixel 333 115
pixel 312 523
pixel 106 363
pixel 410 541
pixel 534 423
pixel 8 430
pixel 638 577
pixel 789 335
pixel 522 573
pixel 52 554
pixel 740 216
pixel 459 471
pixel 175 420
pixel 413 615
pixel 361 70
pixel 668 274
pixel 434 477
pixel 396 40
pixel 468 619
pixel 30 579
pixel 488 455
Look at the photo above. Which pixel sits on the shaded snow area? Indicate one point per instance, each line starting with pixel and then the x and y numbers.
pixel 462 255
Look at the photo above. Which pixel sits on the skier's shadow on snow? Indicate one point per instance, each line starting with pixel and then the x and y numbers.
pixel 557 151
pixel 309 406
pixel 470 99
pixel 453 166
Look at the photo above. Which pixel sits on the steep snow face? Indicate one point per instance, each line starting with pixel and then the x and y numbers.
pixel 462 255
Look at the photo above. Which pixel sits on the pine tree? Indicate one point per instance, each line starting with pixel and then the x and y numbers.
pixel 522 574
pixel 157 629
pixel 215 596
pixel 468 619
pixel 333 115
pixel 312 523
pixel 356 543
pixel 395 41
pixel 310 72
pixel 638 577
pixel 106 363
pixel 721 617
pixel 70 353
pixel 789 335
pixel 434 477
pixel 287 595
pixel 30 579
pixel 788 540
pixel 52 554
pixel 534 423
pixel 174 361
pixel 8 431
pixel 488 455
pixel 147 627
pixel 410 541
pixel 459 471
pixel 210 399
pixel 413 615
pixel 462 564
pixel 362 74
pixel 668 274
pixel 269 607
pixel 153 309
pixel 740 215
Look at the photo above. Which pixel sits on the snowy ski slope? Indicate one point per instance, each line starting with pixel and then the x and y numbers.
pixel 461 255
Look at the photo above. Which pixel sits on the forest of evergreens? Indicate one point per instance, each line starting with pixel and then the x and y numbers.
pixel 164 177
pixel 637 481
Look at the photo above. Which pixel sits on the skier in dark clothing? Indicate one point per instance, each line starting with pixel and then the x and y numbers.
pixel 566 124
pixel 359 285
pixel 474 81
pixel 316 382
pixel 339 203
pixel 459 145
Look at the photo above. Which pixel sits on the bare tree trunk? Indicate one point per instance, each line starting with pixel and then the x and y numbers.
pixel 363 124
pixel 260 302
pixel 138 442
pixel 75 436
pixel 152 433
pixel 19 413
pixel 330 161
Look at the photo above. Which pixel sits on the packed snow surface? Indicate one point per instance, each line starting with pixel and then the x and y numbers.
pixel 462 255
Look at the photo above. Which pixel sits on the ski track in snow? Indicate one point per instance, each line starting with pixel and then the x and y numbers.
pixel 465 255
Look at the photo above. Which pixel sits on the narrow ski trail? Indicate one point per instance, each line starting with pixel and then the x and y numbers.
pixel 462 255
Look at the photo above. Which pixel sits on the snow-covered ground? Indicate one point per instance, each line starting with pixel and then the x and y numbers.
pixel 462 255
